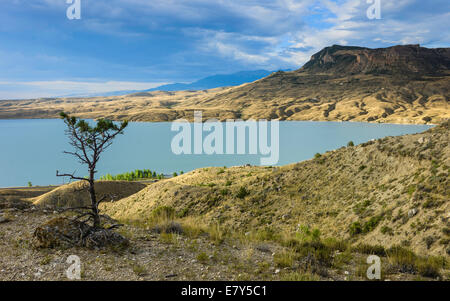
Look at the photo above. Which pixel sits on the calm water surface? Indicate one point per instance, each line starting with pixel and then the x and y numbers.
pixel 32 150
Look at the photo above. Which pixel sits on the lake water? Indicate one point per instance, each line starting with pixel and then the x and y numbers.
pixel 32 150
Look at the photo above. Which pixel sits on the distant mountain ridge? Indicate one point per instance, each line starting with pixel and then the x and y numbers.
pixel 210 82
pixel 216 81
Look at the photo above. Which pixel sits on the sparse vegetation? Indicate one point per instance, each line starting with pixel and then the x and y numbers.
pixel 408 262
pixel 242 192
pixel 136 175
pixel 202 257
pixel 284 259
pixel 139 270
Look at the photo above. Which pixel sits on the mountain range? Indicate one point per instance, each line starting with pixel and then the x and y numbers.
pixel 210 82
pixel 399 84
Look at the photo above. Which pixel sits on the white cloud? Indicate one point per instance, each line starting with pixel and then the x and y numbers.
pixel 37 89
pixel 231 34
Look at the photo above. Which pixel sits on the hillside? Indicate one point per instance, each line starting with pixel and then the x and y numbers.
pixel 400 84
pixel 76 194
pixel 393 191
pixel 314 220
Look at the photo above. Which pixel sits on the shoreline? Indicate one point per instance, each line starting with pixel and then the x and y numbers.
pixel 306 121
pixel 284 120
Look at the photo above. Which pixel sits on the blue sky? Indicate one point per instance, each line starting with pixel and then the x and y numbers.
pixel 139 44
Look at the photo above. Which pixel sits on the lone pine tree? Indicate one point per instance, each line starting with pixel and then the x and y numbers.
pixel 89 142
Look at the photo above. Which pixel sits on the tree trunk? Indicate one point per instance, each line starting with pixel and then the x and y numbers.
pixel 93 200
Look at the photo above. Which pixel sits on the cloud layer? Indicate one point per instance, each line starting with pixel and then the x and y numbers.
pixel 182 40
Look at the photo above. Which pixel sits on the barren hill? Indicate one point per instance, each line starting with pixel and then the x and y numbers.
pixel 400 84
pixel 76 194
pixel 393 191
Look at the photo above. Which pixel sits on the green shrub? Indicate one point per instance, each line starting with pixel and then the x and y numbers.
pixel 242 192
pixel 306 234
pixel 360 208
pixel 386 230
pixel 183 213
pixel 408 262
pixel 430 204
pixel 355 228
pixel 429 241
pixel 411 189
pixel 202 257
pixel 138 174
pixel 318 251
pixel 402 258
pixel 350 144
pixel 428 269
pixel 372 223
pixel 139 270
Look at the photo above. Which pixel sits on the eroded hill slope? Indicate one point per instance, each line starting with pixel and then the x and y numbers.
pixel 393 191
pixel 400 84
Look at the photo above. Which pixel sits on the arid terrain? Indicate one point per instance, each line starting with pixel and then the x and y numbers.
pixel 402 84
pixel 397 186
pixel 314 220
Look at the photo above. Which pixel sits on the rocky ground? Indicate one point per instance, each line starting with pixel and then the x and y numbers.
pixel 153 256
pixel 150 256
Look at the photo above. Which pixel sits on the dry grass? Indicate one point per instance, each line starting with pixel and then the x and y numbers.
pixel 283 95
pixel 329 196
pixel 76 194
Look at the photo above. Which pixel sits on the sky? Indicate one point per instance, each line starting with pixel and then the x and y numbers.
pixel 140 44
